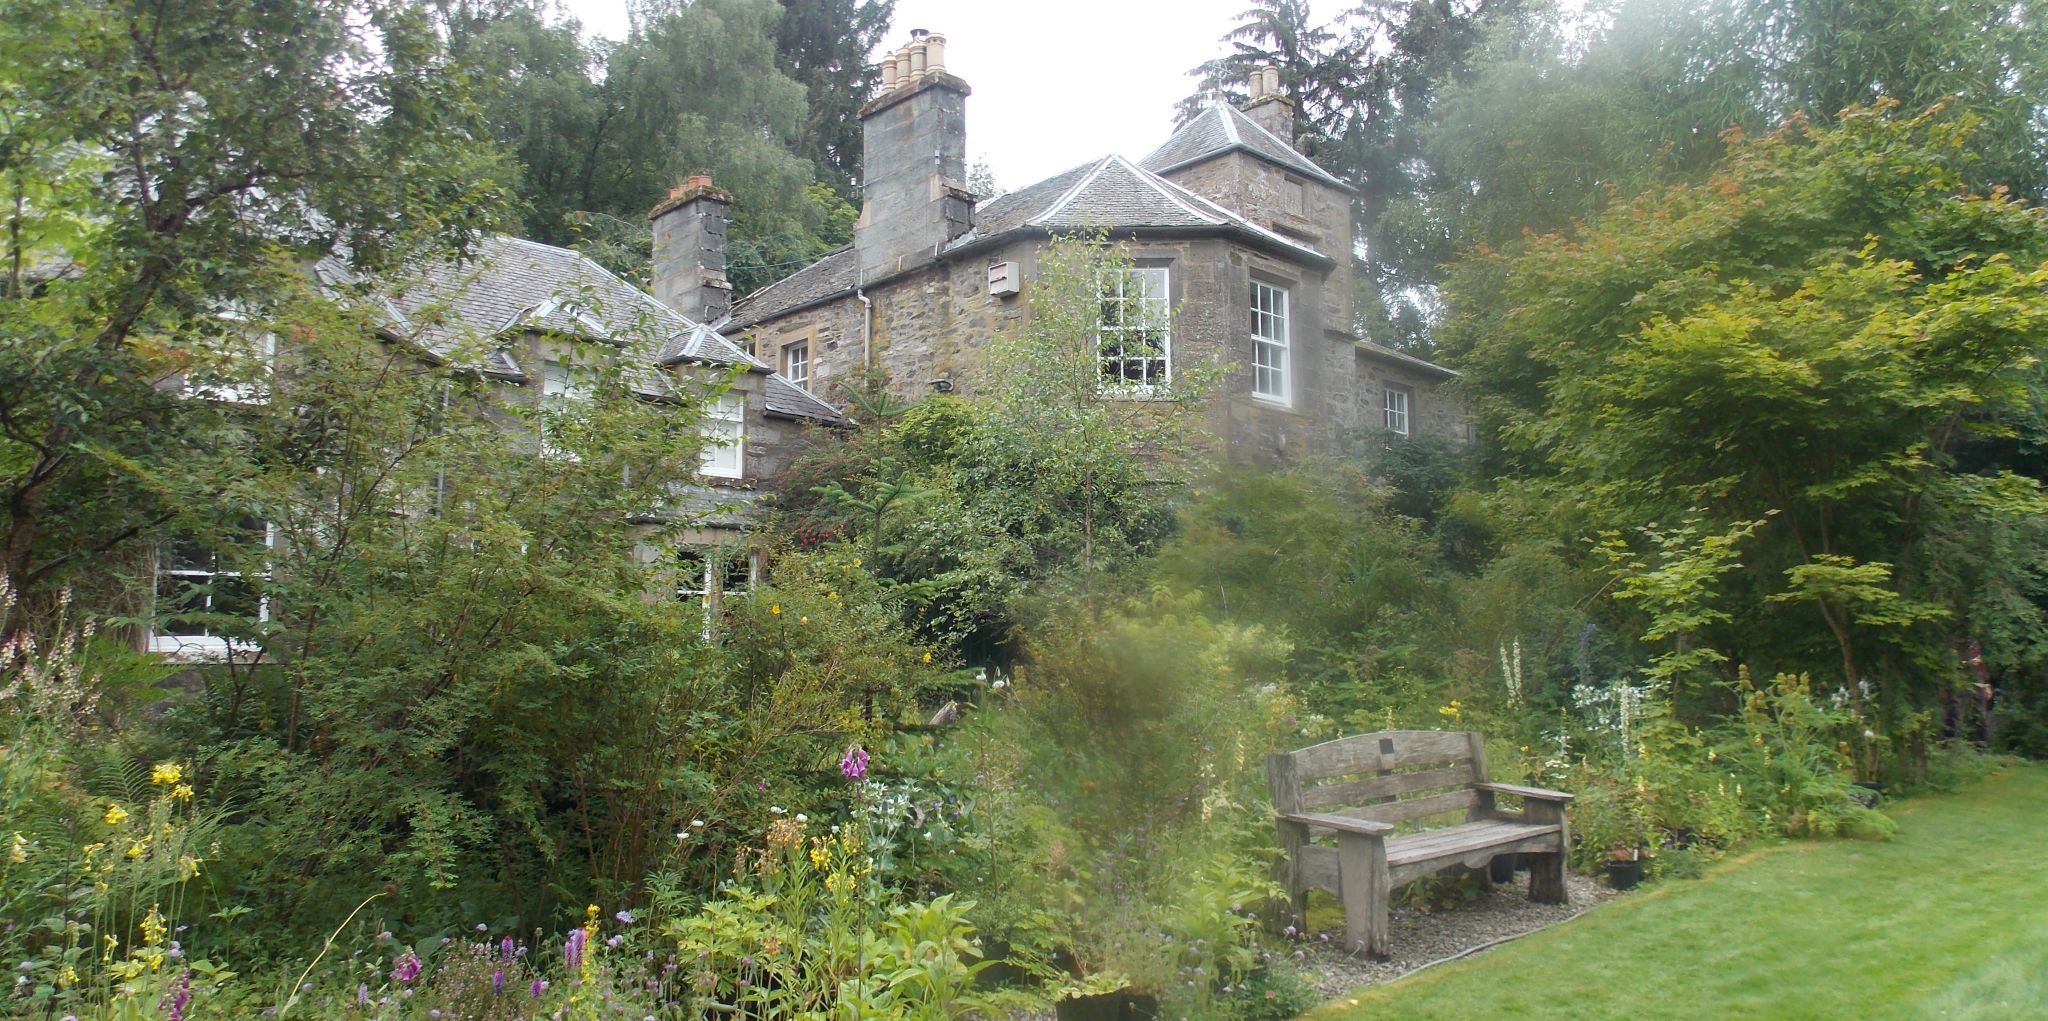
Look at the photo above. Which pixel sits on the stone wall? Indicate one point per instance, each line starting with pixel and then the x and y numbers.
pixel 1435 408
pixel 936 324
pixel 770 443
pixel 1293 205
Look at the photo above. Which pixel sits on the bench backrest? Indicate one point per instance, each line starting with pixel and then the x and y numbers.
pixel 1392 776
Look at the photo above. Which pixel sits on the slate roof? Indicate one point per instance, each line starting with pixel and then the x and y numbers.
pixel 829 277
pixel 1388 354
pixel 1224 128
pixel 454 309
pixel 1112 193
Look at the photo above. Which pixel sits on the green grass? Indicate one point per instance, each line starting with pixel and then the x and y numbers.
pixel 1949 920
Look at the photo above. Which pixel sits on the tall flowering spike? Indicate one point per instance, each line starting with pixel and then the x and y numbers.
pixel 855 764
pixel 572 951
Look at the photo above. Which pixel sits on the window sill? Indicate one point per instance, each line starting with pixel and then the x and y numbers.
pixel 1276 403
pixel 1155 394
pixel 204 649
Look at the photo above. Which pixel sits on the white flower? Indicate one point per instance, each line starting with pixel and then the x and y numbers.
pixel 800 817
pixel 1870 734
pixel 777 809
pixel 697 823
pixel 1000 684
pixel 682 835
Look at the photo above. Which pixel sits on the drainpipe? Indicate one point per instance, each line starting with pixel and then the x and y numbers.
pixel 867 329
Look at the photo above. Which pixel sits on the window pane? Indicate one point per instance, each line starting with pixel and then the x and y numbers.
pixel 1269 341
pixel 1135 328
pixel 690 574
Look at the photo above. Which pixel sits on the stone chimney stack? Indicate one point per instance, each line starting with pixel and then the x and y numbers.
pixel 689 250
pixel 914 194
pixel 1269 107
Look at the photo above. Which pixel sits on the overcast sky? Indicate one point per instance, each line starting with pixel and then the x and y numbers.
pixel 1056 82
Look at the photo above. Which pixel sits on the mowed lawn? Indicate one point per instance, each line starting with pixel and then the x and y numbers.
pixel 1947 920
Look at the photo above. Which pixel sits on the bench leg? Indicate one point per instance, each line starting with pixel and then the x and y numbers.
pixel 1546 878
pixel 1362 880
pixel 1287 873
pixel 1546 871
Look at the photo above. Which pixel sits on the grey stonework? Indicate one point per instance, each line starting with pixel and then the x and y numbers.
pixel 1224 202
pixel 914 194
pixel 689 251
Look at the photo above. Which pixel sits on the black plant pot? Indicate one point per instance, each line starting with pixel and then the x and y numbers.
pixel 1503 867
pixel 1122 1005
pixel 1001 971
pixel 1625 874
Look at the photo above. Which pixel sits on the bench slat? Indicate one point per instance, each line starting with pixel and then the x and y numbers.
pixel 1367 753
pixel 1408 871
pixel 1416 808
pixel 1359 792
pixel 1456 841
pixel 1525 792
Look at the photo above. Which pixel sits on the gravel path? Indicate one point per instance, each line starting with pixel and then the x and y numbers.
pixel 1419 938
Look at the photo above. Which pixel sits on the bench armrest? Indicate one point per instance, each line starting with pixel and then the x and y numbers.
pixel 1341 823
pixel 1525 792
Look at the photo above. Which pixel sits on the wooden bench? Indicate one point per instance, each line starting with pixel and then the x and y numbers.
pixel 1357 788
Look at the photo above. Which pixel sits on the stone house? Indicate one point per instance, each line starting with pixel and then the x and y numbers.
pixel 1240 243
pixel 524 315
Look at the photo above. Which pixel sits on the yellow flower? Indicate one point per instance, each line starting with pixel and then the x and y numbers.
pixel 803 620
pixel 167 773
pixel 154 928
pixel 183 792
pixel 19 852
pixel 775 608
pixel 115 814
pixel 188 866
pixel 137 849
pixel 927 657
pixel 67 978
pixel 856 561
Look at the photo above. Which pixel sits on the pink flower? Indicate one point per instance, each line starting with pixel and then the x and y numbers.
pixel 855 764
pixel 406 968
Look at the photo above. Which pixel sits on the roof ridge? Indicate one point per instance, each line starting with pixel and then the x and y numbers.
pixel 1072 193
pixel 1277 140
pixel 1223 112
pixel 1154 180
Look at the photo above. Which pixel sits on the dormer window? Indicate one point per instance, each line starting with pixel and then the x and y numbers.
pixel 563 394
pixel 1135 331
pixel 724 428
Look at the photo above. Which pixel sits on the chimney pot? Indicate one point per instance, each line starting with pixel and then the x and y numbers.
pixel 918 34
pixel 913 163
pixel 1272 76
